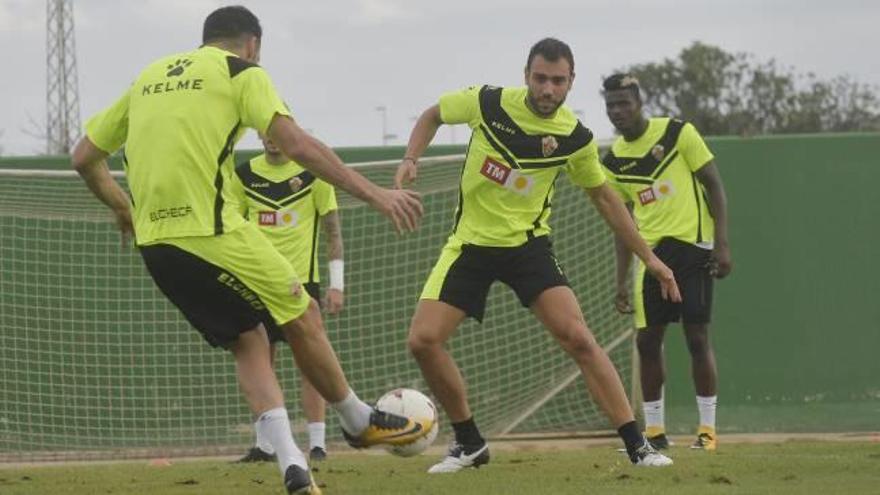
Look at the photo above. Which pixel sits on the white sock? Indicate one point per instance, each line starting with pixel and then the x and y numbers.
pixel 263 442
pixel 316 435
pixel 274 425
pixel 706 406
pixel 354 414
pixel 654 414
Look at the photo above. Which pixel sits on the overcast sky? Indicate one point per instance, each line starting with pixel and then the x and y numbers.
pixel 336 61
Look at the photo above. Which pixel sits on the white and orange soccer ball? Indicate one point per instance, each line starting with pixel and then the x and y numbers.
pixel 416 405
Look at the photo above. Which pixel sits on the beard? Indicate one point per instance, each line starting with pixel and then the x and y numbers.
pixel 538 105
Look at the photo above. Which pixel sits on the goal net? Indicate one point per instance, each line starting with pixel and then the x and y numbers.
pixel 96 363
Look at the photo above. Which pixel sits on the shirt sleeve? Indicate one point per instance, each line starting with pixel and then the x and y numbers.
pixel 108 130
pixel 461 107
pixel 325 197
pixel 584 169
pixel 693 148
pixel 258 100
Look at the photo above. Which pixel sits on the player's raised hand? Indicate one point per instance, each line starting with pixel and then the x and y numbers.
pixel 668 287
pixel 406 174
pixel 402 206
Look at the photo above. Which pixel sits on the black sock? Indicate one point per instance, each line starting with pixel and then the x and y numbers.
pixel 467 433
pixel 631 436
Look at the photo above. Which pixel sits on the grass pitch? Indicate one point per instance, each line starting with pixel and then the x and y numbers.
pixel 766 468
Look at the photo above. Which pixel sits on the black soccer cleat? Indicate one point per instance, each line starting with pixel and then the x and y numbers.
pixel 317 454
pixel 257 454
pixel 299 481
pixel 659 442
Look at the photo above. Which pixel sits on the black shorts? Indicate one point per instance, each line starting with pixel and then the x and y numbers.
pixel 691 265
pixel 464 273
pixel 218 304
pixel 274 331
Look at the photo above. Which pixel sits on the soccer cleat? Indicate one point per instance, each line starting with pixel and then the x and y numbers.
pixel 462 456
pixel 706 439
pixel 300 482
pixel 257 454
pixel 659 442
pixel 317 454
pixel 389 429
pixel 647 456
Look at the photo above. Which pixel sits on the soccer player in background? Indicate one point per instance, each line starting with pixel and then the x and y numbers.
pixel 287 203
pixel 523 138
pixel 179 122
pixel 666 174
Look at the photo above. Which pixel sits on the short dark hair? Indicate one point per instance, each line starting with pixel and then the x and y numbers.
pixel 552 50
pixel 229 23
pixel 619 81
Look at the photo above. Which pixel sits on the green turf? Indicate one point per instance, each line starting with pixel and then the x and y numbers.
pixel 789 467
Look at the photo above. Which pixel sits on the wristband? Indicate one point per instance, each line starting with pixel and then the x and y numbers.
pixel 412 159
pixel 337 271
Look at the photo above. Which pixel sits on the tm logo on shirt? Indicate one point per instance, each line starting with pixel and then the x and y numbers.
pixel 506 177
pixel 283 218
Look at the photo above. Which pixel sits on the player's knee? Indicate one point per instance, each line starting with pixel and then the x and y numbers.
pixel 649 345
pixel 698 344
pixel 577 340
pixel 309 324
pixel 421 343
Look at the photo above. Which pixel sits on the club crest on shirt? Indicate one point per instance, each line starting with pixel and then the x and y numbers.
pixel 548 145
pixel 658 152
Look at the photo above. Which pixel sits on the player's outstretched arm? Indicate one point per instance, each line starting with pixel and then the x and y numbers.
pixel 709 176
pixel 419 139
pixel 618 218
pixel 90 163
pixel 402 207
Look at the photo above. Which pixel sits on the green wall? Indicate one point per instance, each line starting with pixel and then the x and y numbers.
pixel 797 325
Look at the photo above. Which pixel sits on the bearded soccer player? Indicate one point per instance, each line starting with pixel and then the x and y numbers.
pixel 179 123
pixel 523 138
pixel 665 171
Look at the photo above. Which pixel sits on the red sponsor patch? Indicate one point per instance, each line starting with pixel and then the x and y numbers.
pixel 647 196
pixel 495 171
pixel 267 218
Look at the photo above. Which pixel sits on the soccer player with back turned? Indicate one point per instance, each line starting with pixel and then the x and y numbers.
pixel 523 138
pixel 664 170
pixel 179 123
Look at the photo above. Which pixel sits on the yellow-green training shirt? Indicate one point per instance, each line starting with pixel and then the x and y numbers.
pixel 179 123
pixel 512 163
pixel 288 217
pixel 657 173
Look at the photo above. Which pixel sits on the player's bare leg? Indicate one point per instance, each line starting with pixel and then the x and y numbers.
pixel 705 377
pixel 649 341
pixel 558 310
pixel 362 425
pixel 432 325
pixel 263 450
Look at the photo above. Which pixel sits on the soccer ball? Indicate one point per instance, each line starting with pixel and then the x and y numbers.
pixel 412 404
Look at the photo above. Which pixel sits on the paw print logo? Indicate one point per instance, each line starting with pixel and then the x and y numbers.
pixel 178 67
